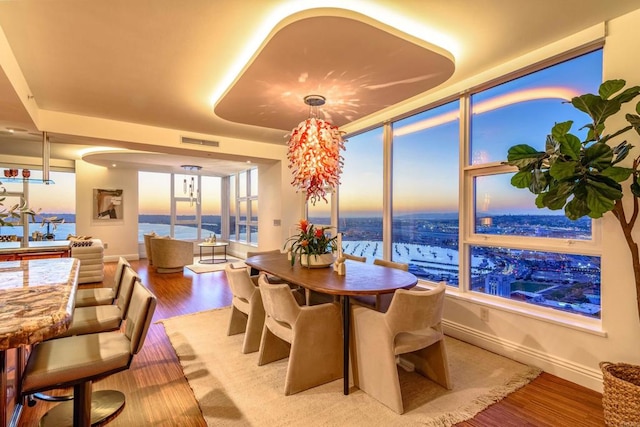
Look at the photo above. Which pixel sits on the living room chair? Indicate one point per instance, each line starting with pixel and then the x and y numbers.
pixel 247 312
pixel 311 336
pixel 79 360
pixel 411 328
pixel 170 255
pixel 102 296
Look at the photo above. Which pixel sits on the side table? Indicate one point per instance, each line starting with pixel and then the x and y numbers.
pixel 213 246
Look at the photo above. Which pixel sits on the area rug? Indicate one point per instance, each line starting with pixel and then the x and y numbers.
pixel 197 267
pixel 232 390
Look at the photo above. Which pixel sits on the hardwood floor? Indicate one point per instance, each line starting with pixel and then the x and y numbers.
pixel 158 394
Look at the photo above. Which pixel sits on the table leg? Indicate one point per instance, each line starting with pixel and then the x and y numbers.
pixel 346 316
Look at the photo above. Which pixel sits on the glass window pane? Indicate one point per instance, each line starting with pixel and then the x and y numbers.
pixel 425 193
pixel 524 110
pixel 254 210
pixel 254 182
pixel 320 213
pixel 503 209
pixel 211 205
pixel 243 211
pixel 566 282
pixel 55 200
pixel 242 184
pixel 154 203
pixel 254 235
pixel 361 184
pixel 242 237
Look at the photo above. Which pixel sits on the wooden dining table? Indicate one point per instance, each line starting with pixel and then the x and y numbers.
pixel 360 279
pixel 37 298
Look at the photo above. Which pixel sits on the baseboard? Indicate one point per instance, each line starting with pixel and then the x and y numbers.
pixel 566 369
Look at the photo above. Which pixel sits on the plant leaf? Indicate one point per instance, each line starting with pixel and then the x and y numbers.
pixel 598 155
pixel 610 87
pixel 523 155
pixel 618 174
pixel 570 145
pixel 563 169
pixel 576 208
pixel 521 179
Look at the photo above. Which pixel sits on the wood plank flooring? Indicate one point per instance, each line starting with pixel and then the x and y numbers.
pixel 158 394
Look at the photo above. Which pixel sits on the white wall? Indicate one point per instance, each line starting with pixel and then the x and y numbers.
pixel 121 236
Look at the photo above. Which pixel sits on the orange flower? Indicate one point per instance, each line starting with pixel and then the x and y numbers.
pixel 304 243
pixel 304 224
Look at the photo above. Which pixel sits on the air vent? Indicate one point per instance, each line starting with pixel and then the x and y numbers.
pixel 186 140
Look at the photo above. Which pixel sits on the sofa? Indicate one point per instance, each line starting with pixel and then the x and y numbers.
pixel 90 252
pixel 169 255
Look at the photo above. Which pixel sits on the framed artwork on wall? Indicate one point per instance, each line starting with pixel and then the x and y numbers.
pixel 107 204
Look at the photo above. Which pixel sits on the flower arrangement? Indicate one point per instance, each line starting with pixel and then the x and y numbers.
pixel 310 241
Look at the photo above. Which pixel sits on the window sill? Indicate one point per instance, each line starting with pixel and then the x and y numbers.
pixel 590 326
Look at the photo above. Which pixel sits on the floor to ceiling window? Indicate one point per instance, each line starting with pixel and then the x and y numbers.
pixel 360 195
pixel 452 213
pixel 243 215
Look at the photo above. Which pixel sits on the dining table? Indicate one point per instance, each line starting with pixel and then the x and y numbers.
pixel 359 279
pixel 37 298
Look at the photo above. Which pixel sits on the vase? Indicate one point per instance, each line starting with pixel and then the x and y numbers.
pixel 316 261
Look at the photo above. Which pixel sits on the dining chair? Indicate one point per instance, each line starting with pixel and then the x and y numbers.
pixel 311 336
pixel 255 273
pixel 355 257
pixel 247 312
pixel 380 302
pixel 105 295
pixel 411 328
pixel 77 361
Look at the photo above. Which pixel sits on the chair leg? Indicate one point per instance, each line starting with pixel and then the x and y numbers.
pixel 432 362
pixel 272 347
pixel 237 322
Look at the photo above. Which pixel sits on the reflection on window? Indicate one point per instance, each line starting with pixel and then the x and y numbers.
pixel 361 183
pixel 524 110
pixel 567 282
pixel 425 193
pixel 502 209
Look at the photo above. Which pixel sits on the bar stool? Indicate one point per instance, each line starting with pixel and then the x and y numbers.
pixel 79 360
pixel 102 296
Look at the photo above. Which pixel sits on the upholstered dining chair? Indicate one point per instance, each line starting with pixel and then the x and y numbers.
pixel 105 295
pixel 355 257
pixel 310 335
pixel 79 360
pixel 247 312
pixel 411 328
pixel 380 302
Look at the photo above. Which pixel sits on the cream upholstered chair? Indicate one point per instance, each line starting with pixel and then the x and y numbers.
pixel 310 335
pixel 79 360
pixel 147 246
pixel 411 328
pixel 380 302
pixel 102 318
pixel 355 257
pixel 170 255
pixel 247 312
pixel 101 296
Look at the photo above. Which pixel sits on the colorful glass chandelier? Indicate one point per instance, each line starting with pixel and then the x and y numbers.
pixel 314 154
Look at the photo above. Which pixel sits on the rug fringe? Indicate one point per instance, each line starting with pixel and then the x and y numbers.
pixel 481 403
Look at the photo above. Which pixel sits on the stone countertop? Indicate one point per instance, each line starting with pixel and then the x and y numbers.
pixel 37 298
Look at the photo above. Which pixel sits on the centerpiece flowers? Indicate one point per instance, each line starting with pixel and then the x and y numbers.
pixel 313 246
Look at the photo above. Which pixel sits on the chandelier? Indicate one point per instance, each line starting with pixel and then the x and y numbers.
pixel 314 153
pixel 190 187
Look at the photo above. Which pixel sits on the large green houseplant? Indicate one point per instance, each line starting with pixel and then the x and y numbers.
pixel 584 177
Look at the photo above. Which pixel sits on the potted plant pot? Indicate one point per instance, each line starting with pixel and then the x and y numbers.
pixel 316 261
pixel 621 394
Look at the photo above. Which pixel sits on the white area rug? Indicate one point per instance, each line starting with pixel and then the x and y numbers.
pixel 197 267
pixel 232 390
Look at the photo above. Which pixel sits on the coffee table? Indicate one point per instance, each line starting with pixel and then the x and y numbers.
pixel 213 246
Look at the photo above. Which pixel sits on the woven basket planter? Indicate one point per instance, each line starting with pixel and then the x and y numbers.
pixel 621 394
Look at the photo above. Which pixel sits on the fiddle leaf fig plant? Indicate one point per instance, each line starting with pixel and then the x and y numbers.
pixel 585 177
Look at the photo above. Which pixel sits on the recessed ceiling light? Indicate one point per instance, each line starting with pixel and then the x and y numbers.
pixel 113 165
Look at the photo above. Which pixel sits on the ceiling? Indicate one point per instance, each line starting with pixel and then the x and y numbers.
pixel 230 69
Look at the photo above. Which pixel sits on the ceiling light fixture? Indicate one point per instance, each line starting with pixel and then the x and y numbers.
pixel 314 153
pixel 194 193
